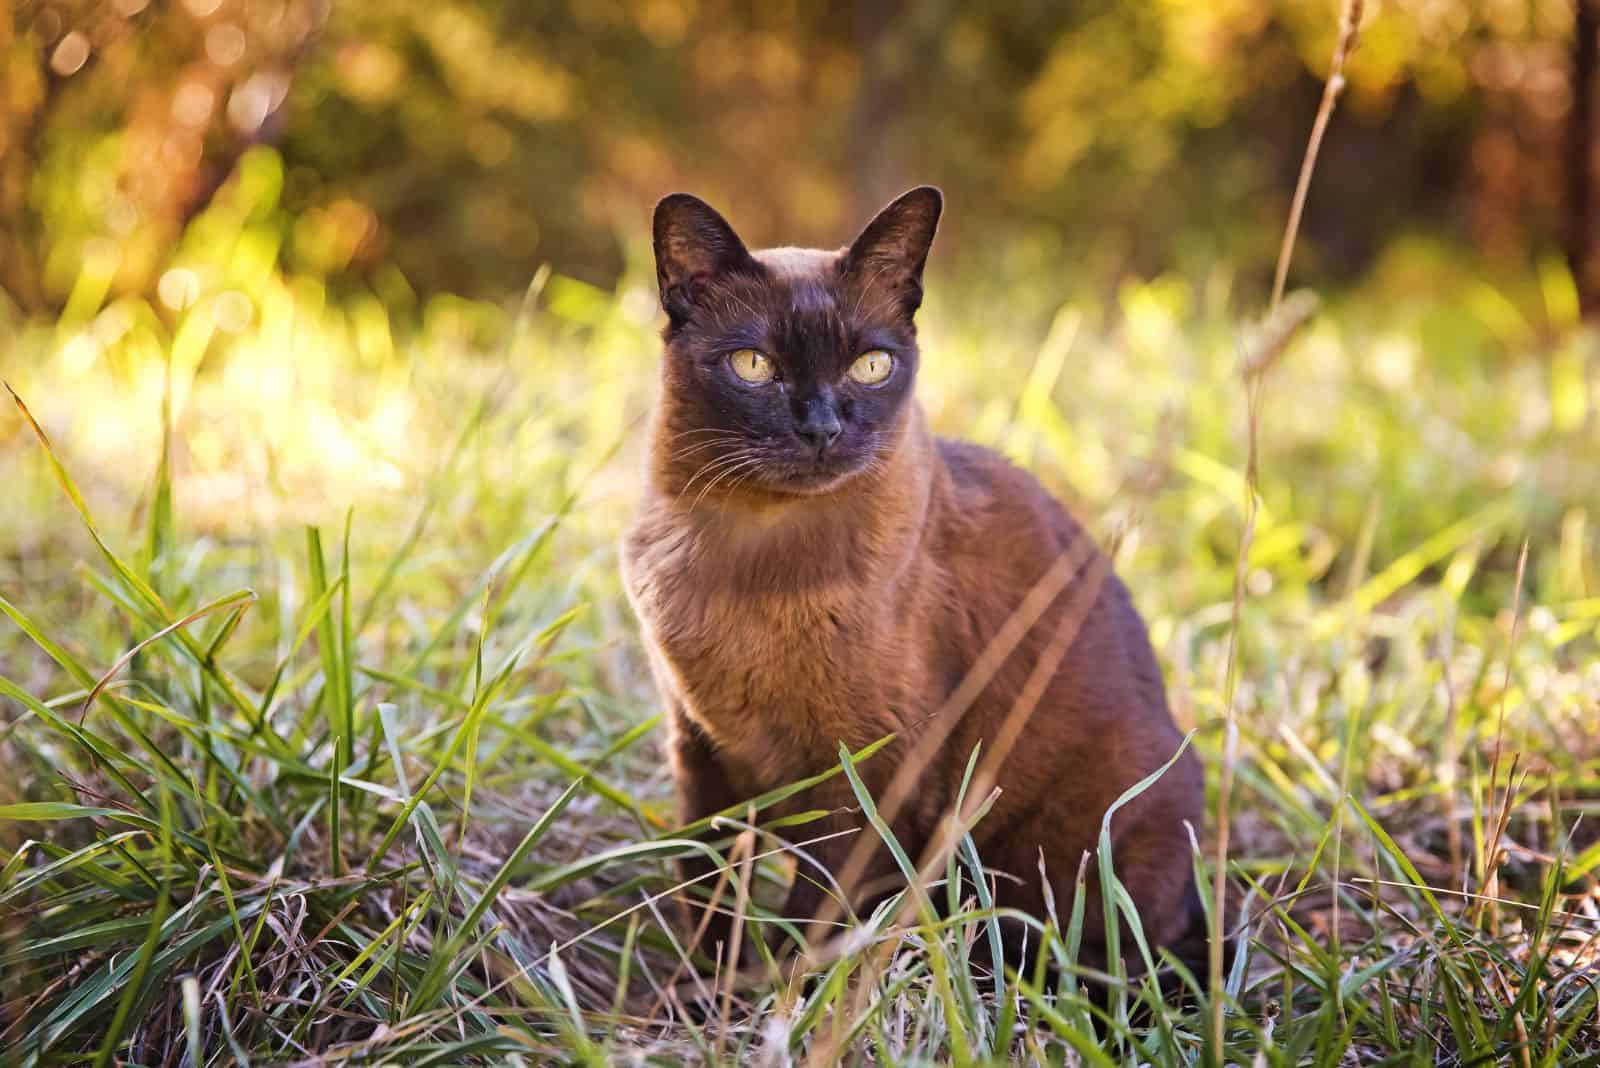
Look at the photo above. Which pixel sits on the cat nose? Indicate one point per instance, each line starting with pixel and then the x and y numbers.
pixel 819 423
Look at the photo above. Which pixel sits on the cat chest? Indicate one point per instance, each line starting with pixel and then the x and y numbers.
pixel 793 673
pixel 746 653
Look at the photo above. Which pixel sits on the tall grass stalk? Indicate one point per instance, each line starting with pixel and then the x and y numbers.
pixel 1278 333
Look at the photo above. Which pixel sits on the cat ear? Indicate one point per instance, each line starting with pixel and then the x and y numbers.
pixel 693 245
pixel 893 249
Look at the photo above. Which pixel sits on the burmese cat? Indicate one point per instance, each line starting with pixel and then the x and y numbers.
pixel 811 566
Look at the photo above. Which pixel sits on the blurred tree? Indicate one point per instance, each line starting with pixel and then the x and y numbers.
pixel 122 119
pixel 466 141
pixel 22 91
pixel 1583 158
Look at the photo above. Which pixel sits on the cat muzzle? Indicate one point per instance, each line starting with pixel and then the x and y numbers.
pixel 819 426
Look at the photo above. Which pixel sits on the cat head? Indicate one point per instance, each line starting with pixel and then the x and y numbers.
pixel 787 371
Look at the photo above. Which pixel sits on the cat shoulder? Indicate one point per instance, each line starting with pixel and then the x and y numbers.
pixel 987 486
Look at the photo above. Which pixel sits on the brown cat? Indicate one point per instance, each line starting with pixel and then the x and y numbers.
pixel 811 566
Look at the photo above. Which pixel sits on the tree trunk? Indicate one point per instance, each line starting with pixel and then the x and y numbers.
pixel 1583 217
pixel 877 101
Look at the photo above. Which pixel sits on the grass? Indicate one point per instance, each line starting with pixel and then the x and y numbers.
pixel 326 732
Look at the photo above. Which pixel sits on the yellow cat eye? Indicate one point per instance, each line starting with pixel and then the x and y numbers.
pixel 752 366
pixel 872 367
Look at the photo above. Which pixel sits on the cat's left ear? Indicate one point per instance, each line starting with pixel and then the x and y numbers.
pixel 893 248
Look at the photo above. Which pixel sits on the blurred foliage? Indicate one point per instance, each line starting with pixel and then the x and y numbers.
pixel 461 143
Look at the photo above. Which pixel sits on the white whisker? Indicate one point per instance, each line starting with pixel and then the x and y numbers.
pixel 750 463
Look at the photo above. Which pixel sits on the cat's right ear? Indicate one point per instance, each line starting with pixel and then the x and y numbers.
pixel 693 245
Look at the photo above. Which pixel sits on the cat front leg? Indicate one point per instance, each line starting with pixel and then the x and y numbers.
pixel 704 787
pixel 828 890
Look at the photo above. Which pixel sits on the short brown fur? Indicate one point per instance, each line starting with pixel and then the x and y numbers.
pixel 783 620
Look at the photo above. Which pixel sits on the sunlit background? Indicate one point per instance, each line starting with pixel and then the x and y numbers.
pixel 255 199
